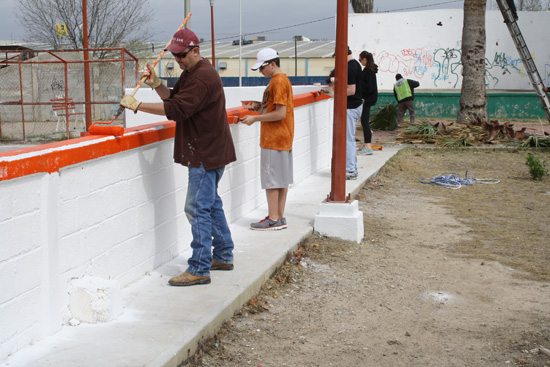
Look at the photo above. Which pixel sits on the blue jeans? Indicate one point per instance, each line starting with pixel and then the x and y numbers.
pixel 352 118
pixel 203 207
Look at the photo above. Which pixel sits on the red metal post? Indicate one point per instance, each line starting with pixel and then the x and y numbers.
pixel 21 92
pixel 338 175
pixel 67 101
pixel 212 22
pixel 123 71
pixel 87 94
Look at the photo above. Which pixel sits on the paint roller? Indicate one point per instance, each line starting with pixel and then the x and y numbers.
pixel 119 130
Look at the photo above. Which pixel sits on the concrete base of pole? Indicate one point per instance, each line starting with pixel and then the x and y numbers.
pixel 340 220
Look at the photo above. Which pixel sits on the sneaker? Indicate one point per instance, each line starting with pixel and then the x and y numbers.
pixel 267 224
pixel 351 175
pixel 283 221
pixel 216 265
pixel 186 279
pixel 365 151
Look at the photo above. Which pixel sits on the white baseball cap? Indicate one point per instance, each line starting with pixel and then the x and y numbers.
pixel 264 55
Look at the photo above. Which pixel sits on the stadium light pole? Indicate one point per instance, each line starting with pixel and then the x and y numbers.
pixel 240 38
pixel 212 24
pixel 187 10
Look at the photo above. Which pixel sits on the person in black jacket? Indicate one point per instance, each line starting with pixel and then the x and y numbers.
pixel 370 96
pixel 403 91
pixel 354 105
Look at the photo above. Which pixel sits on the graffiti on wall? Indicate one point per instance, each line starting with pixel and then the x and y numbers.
pixel 444 66
pixel 506 63
pixel 501 65
pixel 408 62
pixel 51 84
pixel 449 66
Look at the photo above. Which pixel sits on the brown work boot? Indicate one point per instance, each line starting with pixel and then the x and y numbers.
pixel 186 279
pixel 216 265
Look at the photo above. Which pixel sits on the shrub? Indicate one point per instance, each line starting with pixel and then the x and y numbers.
pixel 385 117
pixel 537 169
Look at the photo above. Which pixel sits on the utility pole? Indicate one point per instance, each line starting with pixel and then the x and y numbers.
pixel 212 24
pixel 187 10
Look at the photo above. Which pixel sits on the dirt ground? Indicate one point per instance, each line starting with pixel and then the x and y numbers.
pixel 442 277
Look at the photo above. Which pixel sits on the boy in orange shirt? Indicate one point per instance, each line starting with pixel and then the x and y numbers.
pixel 276 136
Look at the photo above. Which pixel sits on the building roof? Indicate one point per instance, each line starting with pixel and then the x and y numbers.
pixel 286 49
pixel 226 49
pixel 12 45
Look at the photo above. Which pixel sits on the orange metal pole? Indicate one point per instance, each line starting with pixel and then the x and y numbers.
pixel 21 92
pixel 338 174
pixel 67 130
pixel 87 93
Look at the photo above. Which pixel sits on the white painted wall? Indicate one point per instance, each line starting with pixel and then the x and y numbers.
pixel 413 44
pixel 118 217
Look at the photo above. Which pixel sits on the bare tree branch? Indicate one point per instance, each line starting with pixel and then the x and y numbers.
pixel 109 22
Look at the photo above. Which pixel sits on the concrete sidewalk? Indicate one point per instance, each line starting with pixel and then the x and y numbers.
pixel 161 325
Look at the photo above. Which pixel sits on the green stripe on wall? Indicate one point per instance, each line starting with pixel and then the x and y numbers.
pixel 501 105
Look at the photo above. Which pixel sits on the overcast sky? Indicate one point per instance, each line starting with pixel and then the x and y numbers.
pixel 275 19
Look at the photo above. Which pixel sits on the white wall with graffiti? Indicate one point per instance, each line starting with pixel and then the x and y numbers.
pixel 426 46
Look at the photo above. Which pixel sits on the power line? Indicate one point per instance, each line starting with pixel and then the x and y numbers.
pixel 328 18
pixel 425 6
pixel 280 28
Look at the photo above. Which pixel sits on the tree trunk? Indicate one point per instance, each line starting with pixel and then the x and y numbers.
pixel 473 97
pixel 362 6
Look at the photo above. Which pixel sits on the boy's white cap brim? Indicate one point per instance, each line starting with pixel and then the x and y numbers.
pixel 264 55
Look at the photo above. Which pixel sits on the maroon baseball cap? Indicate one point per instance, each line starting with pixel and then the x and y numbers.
pixel 183 39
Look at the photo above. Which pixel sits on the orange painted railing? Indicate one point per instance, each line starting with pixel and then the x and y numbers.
pixel 235 114
pixel 54 156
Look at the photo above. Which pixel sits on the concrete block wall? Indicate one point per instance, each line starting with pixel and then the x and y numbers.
pixel 20 263
pixel 115 212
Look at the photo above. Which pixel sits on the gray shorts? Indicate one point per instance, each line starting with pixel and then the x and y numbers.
pixel 276 170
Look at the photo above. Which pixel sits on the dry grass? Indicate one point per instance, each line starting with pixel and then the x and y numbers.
pixel 509 222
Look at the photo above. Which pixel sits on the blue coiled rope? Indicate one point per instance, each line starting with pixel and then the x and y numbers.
pixel 452 180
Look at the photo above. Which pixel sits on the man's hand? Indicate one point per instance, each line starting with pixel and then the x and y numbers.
pixel 152 79
pixel 545 89
pixel 249 119
pixel 327 90
pixel 130 102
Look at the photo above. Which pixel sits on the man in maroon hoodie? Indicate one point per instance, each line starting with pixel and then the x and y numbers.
pixel 203 143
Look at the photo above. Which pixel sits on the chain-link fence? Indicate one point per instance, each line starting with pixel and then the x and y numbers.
pixel 42 93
